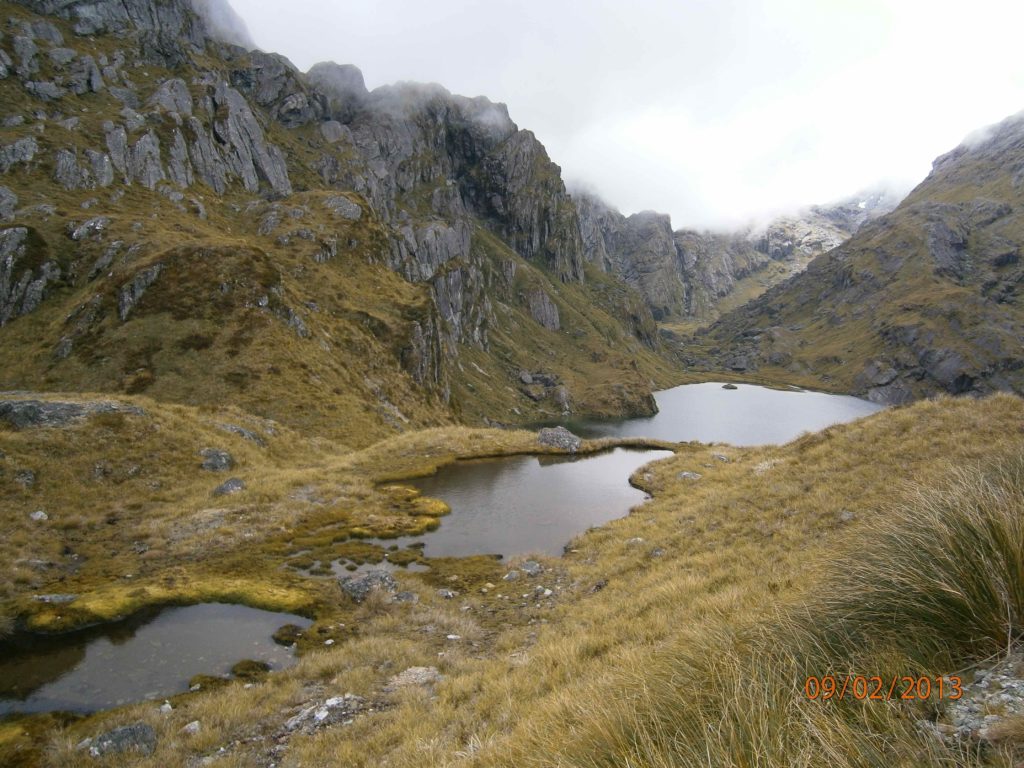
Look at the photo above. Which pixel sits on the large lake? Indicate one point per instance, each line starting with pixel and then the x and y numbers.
pixel 747 415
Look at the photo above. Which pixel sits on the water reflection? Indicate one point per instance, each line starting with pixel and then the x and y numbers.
pixel 147 656
pixel 523 504
pixel 746 415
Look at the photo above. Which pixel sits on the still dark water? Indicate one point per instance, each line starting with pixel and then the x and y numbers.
pixel 747 415
pixel 140 658
pixel 510 506
pixel 523 504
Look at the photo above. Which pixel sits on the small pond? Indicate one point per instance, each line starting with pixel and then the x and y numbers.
pixel 520 504
pixel 746 415
pixel 144 657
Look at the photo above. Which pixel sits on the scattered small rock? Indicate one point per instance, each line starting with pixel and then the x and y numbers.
pixel 337 709
pixel 720 457
pixel 994 696
pixel 26 478
pixel 510 576
pixel 657 552
pixel 55 599
pixel 39 516
pixel 689 475
pixel 89 229
pixel 166 708
pixel 246 434
pixel 532 568
pixel 138 737
pixel 599 585
pixel 193 728
pixel 729 386
pixel 228 487
pixel 846 516
pixel 447 594
pixel 406 597
pixel 635 541
pixel 414 676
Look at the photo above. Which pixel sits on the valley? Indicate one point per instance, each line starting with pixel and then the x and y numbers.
pixel 529 480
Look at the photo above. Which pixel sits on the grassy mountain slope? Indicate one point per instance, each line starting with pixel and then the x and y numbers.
pixel 922 300
pixel 319 290
pixel 700 608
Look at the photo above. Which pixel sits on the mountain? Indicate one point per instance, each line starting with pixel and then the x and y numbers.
pixel 188 218
pixel 922 300
pixel 689 277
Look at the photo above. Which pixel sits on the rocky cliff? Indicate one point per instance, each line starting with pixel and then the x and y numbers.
pixel 922 300
pixel 690 276
pixel 188 217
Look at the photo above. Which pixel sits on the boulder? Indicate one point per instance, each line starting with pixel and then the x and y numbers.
pixel 45 89
pixel 85 77
pixel 89 229
pixel 559 437
pixel 22 151
pixel 138 737
pixel 341 206
pixel 55 599
pixel 359 587
pixel 216 460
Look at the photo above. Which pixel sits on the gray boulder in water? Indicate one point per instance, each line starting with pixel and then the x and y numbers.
pixel 559 437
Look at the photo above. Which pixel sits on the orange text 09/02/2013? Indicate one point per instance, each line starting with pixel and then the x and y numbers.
pixel 878 688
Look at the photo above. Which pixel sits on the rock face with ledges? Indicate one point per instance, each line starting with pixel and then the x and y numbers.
pixel 686 273
pixel 211 163
pixel 23 286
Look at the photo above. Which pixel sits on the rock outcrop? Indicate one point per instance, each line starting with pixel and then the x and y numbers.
pixel 26 275
pixel 684 274
pixel 919 301
pixel 220 180
pixel 29 414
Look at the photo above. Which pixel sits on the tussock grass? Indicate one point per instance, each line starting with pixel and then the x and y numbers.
pixel 944 571
pixel 931 584
pixel 694 657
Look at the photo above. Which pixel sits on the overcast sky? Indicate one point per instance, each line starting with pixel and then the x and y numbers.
pixel 715 111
